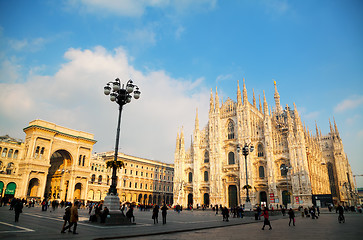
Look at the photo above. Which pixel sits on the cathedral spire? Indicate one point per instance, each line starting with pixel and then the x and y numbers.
pixel 254 99
pixel 277 99
pixel 211 101
pixel 217 100
pixel 177 143
pixel 317 129
pixel 239 99
pixel 196 121
pixel 245 99
pixel 260 106
pixel 182 138
pixel 335 127
pixel 331 127
pixel 297 118
pixel 265 106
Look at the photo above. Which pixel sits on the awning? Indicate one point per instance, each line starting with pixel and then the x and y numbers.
pixel 1 187
pixel 10 188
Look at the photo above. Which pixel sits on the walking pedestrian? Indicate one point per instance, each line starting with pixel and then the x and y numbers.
pixel 74 218
pixel 291 216
pixel 163 213
pixel 18 206
pixel 266 219
pixel 66 218
pixel 155 214
pixel 130 214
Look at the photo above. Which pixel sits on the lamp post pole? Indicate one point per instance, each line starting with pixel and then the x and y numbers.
pixel 245 151
pixel 286 169
pixel 122 96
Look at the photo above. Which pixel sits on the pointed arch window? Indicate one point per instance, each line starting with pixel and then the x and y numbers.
pixel 260 150
pixel 206 157
pixel 206 176
pixel 230 129
pixel 231 158
pixel 190 177
pixel 261 172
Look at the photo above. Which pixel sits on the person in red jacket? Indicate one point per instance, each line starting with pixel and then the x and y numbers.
pixel 266 217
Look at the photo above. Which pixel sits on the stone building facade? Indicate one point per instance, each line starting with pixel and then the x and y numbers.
pixel 212 170
pixel 141 181
pixel 57 163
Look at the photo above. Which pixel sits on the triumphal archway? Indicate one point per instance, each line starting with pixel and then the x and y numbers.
pixel 56 162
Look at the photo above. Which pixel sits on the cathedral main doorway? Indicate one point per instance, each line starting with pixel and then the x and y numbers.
pixel 285 198
pixel 206 199
pixel 232 195
pixel 58 173
pixel 190 199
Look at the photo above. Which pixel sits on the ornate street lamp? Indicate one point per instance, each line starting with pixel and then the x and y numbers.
pixel 120 95
pixel 286 169
pixel 245 151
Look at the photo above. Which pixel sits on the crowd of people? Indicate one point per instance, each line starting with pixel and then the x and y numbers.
pixel 99 213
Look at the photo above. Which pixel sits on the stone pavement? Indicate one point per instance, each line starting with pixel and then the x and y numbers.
pixel 35 224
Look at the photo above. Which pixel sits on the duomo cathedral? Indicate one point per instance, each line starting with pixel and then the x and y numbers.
pixel 290 165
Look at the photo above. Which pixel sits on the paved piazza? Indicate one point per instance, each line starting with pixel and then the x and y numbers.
pixel 35 224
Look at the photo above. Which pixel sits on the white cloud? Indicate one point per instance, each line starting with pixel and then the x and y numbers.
pixel 348 104
pixel 141 37
pixel 132 8
pixel 312 115
pixel 31 45
pixel 221 78
pixel 179 31
pixel 9 70
pixel 73 97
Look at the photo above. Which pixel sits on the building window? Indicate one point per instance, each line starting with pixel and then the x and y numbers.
pixel 131 172
pixel 260 150
pixel 84 160
pixel 147 174
pixel 231 130
pixel 151 175
pixel 10 154
pixel 146 186
pixel 125 171
pixel 135 184
pixel 80 160
pixel 130 185
pixel 231 158
pixel 124 183
pixel 140 185
pixel 93 178
pixel 15 154
pixel 100 179
pixel 136 173
pixel 9 168
pixel 261 172
pixel 141 173
pixel 206 157
pixel 206 179
pixel 190 177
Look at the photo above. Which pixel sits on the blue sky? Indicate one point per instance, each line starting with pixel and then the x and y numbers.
pixel 56 56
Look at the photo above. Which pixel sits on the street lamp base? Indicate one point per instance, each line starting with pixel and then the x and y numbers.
pixel 112 202
pixel 248 206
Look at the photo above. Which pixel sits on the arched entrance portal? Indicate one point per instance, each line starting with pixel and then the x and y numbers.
pixel 58 175
pixel 263 198
pixel 10 190
pixel 77 191
pixel 206 199
pixel 232 195
pixel 33 188
pixel 190 199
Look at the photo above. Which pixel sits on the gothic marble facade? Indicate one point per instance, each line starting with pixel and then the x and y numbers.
pixel 212 169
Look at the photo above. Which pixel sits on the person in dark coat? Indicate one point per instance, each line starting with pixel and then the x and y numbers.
pixel 291 216
pixel 104 214
pixel 18 206
pixel 155 214
pixel 66 218
pixel 130 214
pixel 163 213
pixel 74 218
